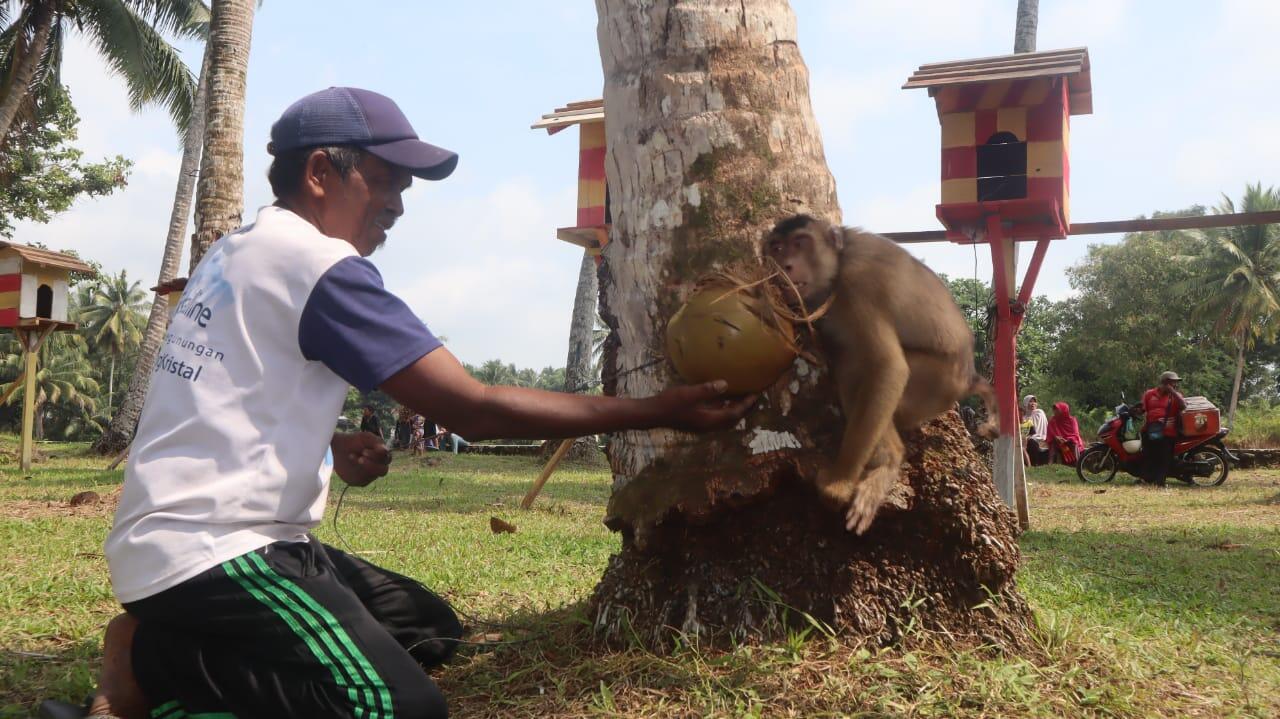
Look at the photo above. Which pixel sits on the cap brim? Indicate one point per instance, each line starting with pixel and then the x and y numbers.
pixel 419 158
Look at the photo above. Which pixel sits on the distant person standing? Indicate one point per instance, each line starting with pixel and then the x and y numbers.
pixel 404 429
pixel 418 434
pixel 1163 405
pixel 369 421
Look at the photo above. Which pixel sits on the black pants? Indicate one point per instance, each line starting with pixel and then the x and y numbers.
pixel 295 629
pixel 1158 454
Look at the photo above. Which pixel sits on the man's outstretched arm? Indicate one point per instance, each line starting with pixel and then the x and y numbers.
pixel 439 386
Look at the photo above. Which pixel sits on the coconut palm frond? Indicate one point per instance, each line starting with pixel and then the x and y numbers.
pixel 151 68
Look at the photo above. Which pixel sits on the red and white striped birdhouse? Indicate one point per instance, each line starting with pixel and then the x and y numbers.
pixel 593 220
pixel 1005 130
pixel 34 284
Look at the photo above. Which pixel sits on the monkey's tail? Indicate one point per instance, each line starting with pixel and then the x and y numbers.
pixel 983 389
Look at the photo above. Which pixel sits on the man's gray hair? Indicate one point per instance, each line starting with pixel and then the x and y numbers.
pixel 285 173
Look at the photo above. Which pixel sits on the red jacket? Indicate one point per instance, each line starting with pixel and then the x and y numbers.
pixel 1163 408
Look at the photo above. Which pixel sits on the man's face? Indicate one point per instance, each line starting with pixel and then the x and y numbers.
pixel 363 206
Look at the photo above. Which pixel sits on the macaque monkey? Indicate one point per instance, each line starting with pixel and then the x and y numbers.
pixel 897 346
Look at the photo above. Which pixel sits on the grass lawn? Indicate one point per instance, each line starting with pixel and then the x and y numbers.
pixel 1150 602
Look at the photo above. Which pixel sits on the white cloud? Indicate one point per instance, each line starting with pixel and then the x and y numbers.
pixel 487 270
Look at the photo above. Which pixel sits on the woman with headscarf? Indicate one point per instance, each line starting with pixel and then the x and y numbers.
pixel 1035 423
pixel 1063 435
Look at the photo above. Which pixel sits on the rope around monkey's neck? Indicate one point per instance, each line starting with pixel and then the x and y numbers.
pixel 775 301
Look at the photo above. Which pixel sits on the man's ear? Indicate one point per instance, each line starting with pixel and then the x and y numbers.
pixel 835 237
pixel 314 173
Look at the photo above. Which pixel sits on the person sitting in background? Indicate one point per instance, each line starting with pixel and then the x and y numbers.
pixel 455 442
pixel 1063 435
pixel 1036 451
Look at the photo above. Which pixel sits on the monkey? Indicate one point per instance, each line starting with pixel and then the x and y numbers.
pixel 898 348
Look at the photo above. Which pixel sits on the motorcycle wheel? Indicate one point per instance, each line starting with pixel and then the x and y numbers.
pixel 1097 465
pixel 1215 457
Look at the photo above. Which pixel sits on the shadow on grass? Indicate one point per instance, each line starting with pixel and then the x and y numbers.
pixel 1217 576
pixel 68 673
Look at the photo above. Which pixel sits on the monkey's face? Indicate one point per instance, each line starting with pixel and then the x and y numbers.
pixel 806 258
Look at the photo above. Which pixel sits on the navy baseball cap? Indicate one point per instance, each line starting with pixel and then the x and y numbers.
pixel 364 119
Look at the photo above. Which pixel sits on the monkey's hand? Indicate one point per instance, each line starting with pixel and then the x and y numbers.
pixel 868 495
pixel 701 407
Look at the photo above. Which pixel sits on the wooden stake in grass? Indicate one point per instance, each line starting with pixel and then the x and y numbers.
pixel 546 473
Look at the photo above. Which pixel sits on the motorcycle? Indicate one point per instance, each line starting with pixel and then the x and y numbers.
pixel 1199 459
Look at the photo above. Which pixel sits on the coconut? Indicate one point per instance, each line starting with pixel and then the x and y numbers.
pixel 736 326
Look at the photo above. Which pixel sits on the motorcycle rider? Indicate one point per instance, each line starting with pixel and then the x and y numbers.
pixel 1163 405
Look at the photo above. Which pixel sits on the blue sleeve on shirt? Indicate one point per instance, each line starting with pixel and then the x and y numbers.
pixel 358 329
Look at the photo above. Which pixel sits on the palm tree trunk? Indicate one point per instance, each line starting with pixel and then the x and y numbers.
pixel 1235 387
pixel 26 69
pixel 123 422
pixel 577 373
pixel 711 139
pixel 111 382
pixel 1024 33
pixel 220 192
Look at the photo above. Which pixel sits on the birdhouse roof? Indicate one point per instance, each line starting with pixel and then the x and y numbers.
pixel 47 258
pixel 1072 63
pixel 176 284
pixel 575 113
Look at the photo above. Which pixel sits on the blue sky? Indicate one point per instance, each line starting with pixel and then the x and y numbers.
pixel 1185 108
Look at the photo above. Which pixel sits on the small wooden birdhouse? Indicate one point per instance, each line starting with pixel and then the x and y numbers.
pixel 34 284
pixel 593 220
pixel 1005 129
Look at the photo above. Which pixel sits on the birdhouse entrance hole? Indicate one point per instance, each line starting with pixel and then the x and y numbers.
pixel 1002 168
pixel 44 301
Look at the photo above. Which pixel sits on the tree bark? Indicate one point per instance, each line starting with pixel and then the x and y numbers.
pixel 1235 387
pixel 125 420
pixel 1024 32
pixel 711 139
pixel 25 72
pixel 220 191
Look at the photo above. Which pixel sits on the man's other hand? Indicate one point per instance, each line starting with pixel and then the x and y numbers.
pixel 360 457
pixel 702 407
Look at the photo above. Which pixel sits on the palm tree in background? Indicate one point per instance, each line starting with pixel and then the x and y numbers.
pixel 119 432
pixel 1237 279
pixel 113 321
pixel 220 191
pixel 494 372
pixel 64 377
pixel 129 34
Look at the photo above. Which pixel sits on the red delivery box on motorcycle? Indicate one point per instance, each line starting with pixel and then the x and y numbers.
pixel 1199 418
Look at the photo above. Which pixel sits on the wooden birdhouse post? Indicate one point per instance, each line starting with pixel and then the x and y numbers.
pixel 591 230
pixel 34 285
pixel 1006 178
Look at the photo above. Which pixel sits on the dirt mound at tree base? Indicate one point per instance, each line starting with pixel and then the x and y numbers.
pixel 942 559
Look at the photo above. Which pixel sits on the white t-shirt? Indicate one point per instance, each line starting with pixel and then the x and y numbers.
pixel 232 448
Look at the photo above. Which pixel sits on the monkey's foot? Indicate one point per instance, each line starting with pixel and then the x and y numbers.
pixel 868 496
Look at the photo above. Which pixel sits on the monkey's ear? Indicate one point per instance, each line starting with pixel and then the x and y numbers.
pixel 835 237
